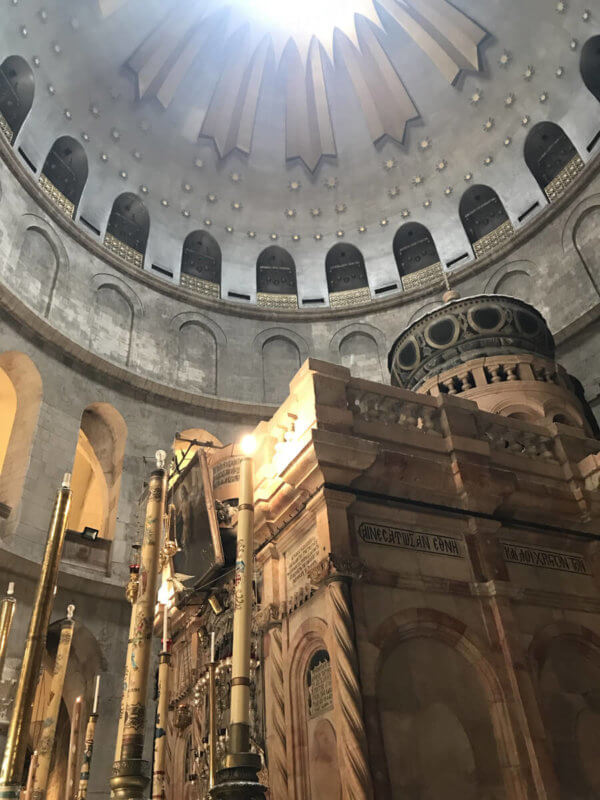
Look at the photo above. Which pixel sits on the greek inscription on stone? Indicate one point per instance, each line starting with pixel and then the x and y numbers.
pixel 225 472
pixel 300 560
pixel 516 553
pixel 320 690
pixel 431 543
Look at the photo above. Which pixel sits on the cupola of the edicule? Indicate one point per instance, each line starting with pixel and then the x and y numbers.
pixel 493 349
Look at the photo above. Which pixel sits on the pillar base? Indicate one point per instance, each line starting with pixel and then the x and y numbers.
pixel 237 778
pixel 129 779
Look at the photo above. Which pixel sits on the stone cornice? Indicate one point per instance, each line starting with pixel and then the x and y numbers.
pixel 226 307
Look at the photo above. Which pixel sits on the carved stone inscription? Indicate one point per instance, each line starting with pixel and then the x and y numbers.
pixel 299 562
pixel 431 543
pixel 547 559
pixel 225 472
pixel 320 690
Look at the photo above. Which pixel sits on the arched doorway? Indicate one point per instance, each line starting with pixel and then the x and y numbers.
pixel 276 279
pixel 64 174
pixel 346 276
pixel 552 158
pixel 201 264
pixel 128 228
pixel 484 219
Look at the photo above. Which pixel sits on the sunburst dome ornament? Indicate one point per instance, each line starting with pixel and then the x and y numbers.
pixel 304 36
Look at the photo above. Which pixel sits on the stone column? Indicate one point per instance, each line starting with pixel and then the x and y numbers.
pixel 335 574
pixel 46 743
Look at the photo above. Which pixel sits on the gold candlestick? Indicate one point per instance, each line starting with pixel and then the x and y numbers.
pixel 46 743
pixel 130 777
pixel 84 777
pixel 212 723
pixel 73 750
pixel 160 731
pixel 7 612
pixel 131 593
pixel 18 731
pixel 237 779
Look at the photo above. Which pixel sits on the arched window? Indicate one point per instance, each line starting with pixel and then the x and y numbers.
pixel 590 65
pixel 201 264
pixel 416 256
pixel 484 219
pixel 551 158
pixel 64 174
pixel 128 227
pixel 346 276
pixel 16 94
pixel 97 471
pixel 276 279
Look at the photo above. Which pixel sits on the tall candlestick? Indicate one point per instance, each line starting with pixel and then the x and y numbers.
pixel 160 729
pixel 165 627
pixel 46 742
pixel 90 734
pixel 131 594
pixel 18 731
pixel 212 647
pixel 129 777
pixel 73 750
pixel 240 766
pixel 31 776
pixel 96 694
pixel 7 612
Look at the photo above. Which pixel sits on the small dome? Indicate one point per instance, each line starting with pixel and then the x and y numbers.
pixel 464 329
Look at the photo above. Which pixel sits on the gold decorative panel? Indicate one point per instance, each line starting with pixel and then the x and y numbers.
pixel 57 197
pixel 125 252
pixel 5 128
pixel 557 187
pixel 205 288
pixel 493 240
pixel 353 297
pixel 280 301
pixel 428 276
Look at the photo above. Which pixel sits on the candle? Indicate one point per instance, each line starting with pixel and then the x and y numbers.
pixel 212 647
pixel 97 692
pixel 165 626
pixel 11 588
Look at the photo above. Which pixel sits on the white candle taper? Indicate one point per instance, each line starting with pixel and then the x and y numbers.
pixel 11 588
pixel 96 694
pixel 212 647
pixel 165 626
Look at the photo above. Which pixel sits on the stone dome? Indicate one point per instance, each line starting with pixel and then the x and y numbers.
pixel 467 329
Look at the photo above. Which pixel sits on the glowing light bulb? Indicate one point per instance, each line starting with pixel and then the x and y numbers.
pixel 248 445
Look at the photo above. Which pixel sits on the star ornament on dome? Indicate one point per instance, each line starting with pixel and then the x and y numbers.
pixel 301 36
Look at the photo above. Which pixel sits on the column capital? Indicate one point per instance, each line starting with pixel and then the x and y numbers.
pixel 336 567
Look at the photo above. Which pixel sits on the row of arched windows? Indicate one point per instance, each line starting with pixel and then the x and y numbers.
pixel 549 154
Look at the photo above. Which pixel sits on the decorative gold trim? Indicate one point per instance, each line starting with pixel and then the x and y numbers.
pixel 428 276
pixel 353 297
pixel 559 185
pixel 57 197
pixel 269 300
pixel 128 254
pixel 494 239
pixel 5 128
pixel 199 285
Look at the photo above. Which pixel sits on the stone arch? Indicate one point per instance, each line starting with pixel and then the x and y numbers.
pixel 197 357
pixel 97 470
pixel 20 400
pixel 359 347
pixel 17 88
pixel 515 280
pixel 282 351
pixel 429 624
pixel 40 259
pixel 565 661
pixel 423 310
pixel 66 169
pixel 579 236
pixel 589 65
pixel 115 307
pixel 314 634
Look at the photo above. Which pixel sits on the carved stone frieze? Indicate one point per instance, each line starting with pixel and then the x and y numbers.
pixel 336 567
